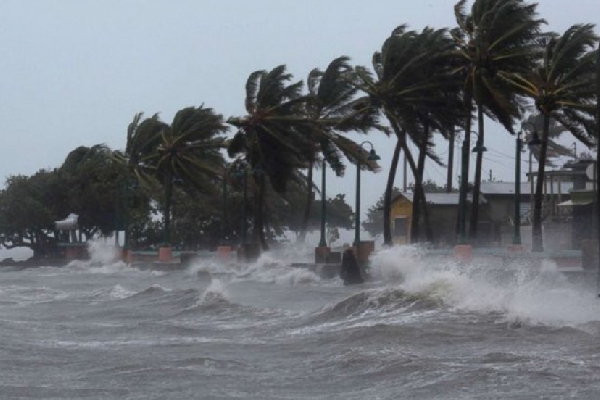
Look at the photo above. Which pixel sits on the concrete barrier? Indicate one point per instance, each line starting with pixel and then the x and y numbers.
pixel 165 254
pixel 321 253
pixel 224 253
pixel 463 252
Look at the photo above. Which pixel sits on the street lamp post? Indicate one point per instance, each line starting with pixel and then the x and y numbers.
pixel 518 150
pixel 462 211
pixel 517 215
pixel 371 157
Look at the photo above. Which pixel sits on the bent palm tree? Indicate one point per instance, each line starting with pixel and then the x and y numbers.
pixel 269 136
pixel 188 149
pixel 496 38
pixel 563 88
pixel 330 109
pixel 410 90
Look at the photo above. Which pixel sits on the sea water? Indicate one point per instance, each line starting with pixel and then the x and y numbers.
pixel 420 328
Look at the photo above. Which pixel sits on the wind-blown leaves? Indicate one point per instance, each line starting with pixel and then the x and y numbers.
pixel 562 86
pixel 269 135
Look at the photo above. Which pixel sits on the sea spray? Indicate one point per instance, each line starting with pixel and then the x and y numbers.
pixel 104 258
pixel 269 269
pixel 102 253
pixel 522 291
pixel 215 292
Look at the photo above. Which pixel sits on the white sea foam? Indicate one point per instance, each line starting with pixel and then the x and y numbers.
pixel 215 291
pixel 211 266
pixel 102 253
pixel 269 269
pixel 104 259
pixel 537 293
pixel 119 292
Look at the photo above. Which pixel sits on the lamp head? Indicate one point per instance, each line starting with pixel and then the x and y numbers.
pixel 373 156
pixel 479 149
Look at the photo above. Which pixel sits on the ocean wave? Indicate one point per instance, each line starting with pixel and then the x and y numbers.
pixel 269 269
pixel 522 293
pixel 378 301
pixel 216 304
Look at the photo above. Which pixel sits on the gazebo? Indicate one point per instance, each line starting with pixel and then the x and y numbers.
pixel 67 238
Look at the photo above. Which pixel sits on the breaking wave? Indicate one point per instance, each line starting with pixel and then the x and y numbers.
pixel 535 293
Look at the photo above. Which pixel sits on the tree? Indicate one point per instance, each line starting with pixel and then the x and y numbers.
pixel 563 88
pixel 187 151
pixel 26 212
pixel 92 181
pixel 497 38
pixel 269 137
pixel 413 91
pixel 330 110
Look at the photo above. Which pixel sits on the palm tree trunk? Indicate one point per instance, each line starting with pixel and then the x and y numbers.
pixel 417 200
pixel 477 182
pixel 537 236
pixel 167 216
pixel 387 198
pixel 420 201
pixel 450 159
pixel 418 195
pixel 308 204
pixel 425 208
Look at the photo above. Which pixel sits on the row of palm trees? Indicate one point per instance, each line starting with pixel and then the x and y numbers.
pixel 497 63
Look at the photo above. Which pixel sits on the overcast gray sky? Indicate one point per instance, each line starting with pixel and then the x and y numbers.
pixel 74 72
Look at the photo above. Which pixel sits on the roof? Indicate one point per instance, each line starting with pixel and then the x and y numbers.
pixel 446 199
pixel 508 188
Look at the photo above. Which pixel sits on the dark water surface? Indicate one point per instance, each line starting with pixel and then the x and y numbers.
pixel 421 329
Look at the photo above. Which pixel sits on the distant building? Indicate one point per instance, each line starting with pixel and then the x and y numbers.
pixel 581 204
pixel 568 207
pixel 443 213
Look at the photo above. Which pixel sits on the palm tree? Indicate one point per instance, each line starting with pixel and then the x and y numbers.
pixel 410 90
pixel 188 150
pixel 143 138
pixel 495 39
pixel 330 108
pixel 270 136
pixel 563 88
pixel 555 130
